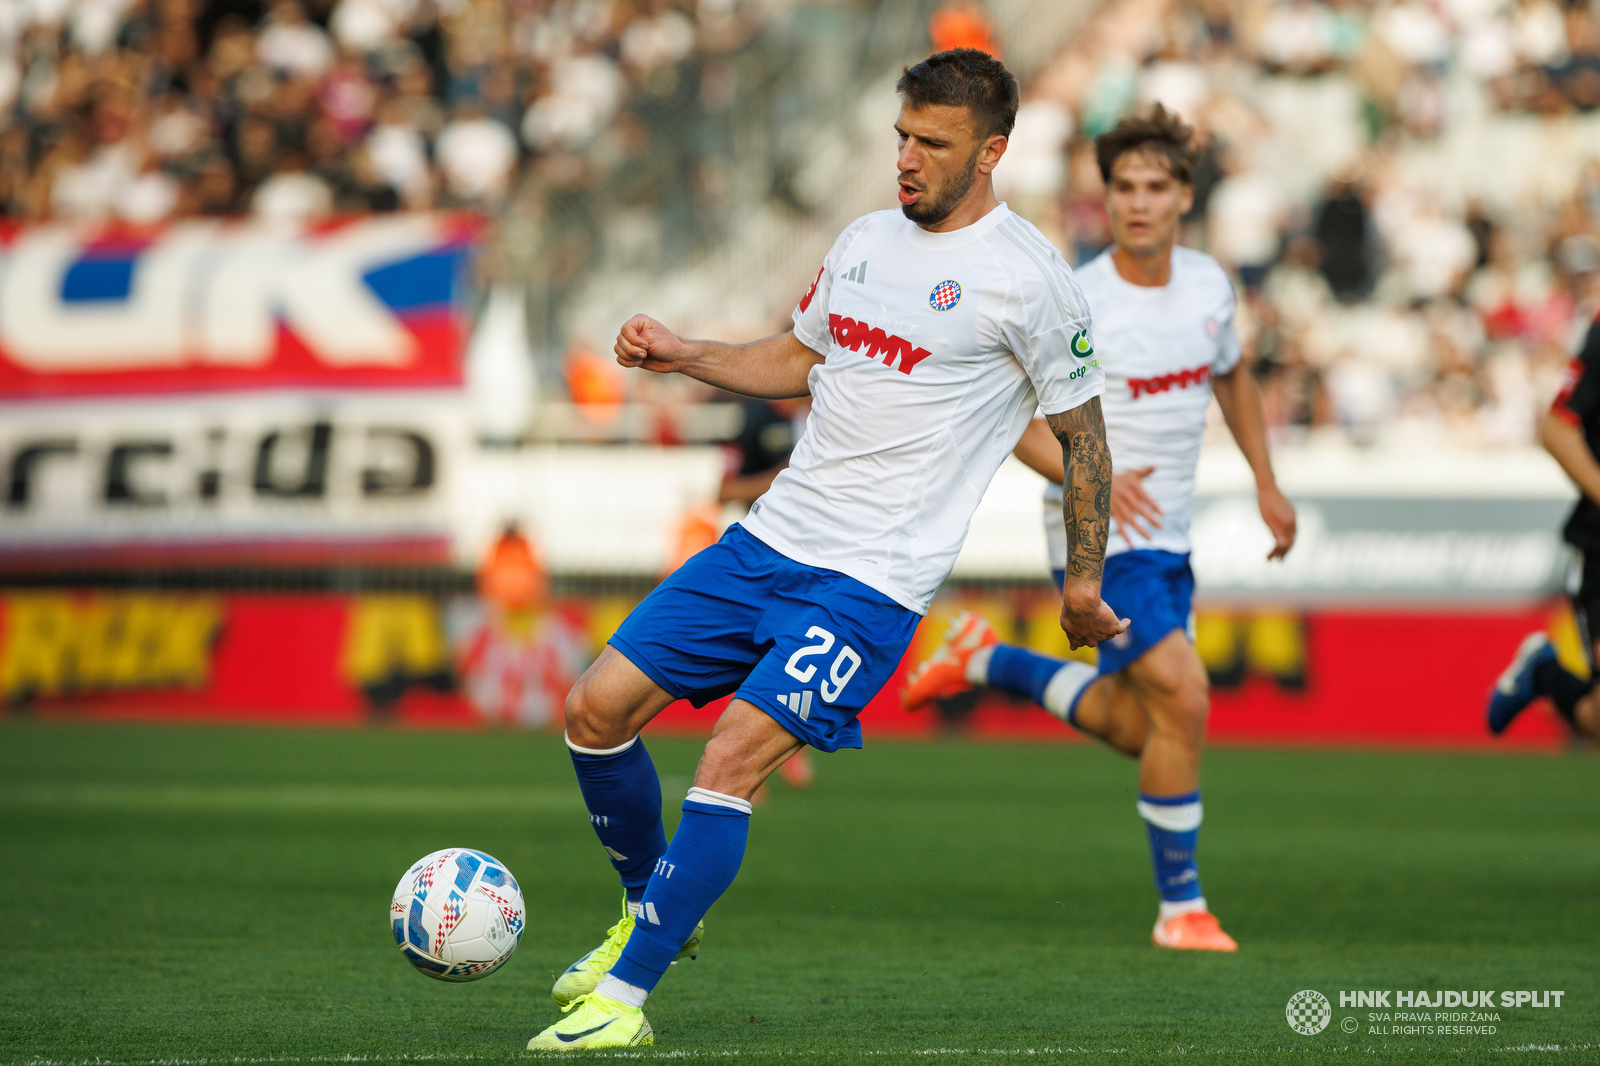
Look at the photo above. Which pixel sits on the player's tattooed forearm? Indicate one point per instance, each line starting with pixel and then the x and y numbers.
pixel 1086 500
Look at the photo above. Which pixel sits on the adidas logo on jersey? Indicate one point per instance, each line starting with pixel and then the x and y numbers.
pixel 1181 379
pixel 857 273
pixel 848 333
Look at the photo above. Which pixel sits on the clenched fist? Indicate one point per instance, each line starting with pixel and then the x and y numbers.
pixel 644 342
pixel 1087 619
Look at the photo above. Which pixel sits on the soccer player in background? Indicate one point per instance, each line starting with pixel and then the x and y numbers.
pixel 927 340
pixel 1571 433
pixel 1164 327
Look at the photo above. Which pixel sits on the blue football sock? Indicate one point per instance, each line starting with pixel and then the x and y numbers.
pixel 696 870
pixel 1020 670
pixel 623 795
pixel 1054 684
pixel 1174 826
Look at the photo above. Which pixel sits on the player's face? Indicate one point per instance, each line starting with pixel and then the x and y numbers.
pixel 939 160
pixel 1144 202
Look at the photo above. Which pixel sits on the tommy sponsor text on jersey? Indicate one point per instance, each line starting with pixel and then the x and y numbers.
pixel 1160 347
pixel 938 348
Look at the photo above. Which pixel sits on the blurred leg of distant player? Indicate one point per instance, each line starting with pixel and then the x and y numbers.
pixel 1535 670
pixel 1152 707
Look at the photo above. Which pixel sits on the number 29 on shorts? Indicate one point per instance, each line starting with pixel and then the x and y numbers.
pixel 839 674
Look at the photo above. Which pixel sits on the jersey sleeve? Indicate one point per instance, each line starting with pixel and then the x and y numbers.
pixel 1228 352
pixel 811 313
pixel 1579 397
pixel 1051 337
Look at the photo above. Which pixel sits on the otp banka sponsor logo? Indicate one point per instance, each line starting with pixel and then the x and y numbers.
pixel 848 333
pixel 1084 369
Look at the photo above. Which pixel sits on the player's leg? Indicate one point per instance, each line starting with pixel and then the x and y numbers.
pixel 606 709
pixel 746 746
pixel 1109 709
pixel 1173 689
pixel 829 645
pixel 1535 670
pixel 699 865
pixel 690 638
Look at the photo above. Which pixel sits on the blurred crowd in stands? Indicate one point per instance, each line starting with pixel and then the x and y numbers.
pixel 1407 192
pixel 143 110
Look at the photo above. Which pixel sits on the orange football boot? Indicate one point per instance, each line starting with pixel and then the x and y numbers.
pixel 1194 931
pixel 944 673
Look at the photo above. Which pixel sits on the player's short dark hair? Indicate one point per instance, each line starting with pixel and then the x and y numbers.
pixel 1160 133
pixel 964 77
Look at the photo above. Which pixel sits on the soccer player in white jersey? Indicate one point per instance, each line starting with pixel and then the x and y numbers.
pixel 928 339
pixel 1163 320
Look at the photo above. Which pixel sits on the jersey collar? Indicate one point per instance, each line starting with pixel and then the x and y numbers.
pixel 957 237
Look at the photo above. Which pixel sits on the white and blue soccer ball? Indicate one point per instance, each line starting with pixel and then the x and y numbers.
pixel 457 914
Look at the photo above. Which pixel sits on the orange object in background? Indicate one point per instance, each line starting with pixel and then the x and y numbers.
pixel 517 656
pixel 700 528
pixel 592 382
pixel 511 575
pixel 962 25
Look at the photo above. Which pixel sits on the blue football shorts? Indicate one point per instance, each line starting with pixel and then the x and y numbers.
pixel 1154 590
pixel 808 646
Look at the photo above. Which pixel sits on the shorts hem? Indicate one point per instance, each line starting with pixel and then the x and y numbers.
pixel 1133 654
pixel 795 726
pixel 649 668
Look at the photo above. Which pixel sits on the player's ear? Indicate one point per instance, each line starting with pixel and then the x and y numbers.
pixel 1186 200
pixel 990 153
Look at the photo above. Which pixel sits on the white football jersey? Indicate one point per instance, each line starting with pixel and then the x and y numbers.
pixel 938 348
pixel 1159 348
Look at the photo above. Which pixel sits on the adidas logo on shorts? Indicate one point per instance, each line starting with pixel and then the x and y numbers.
pixel 798 702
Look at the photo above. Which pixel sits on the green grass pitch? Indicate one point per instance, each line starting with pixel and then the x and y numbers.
pixel 192 896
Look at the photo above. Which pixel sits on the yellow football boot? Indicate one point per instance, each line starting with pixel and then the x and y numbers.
pixel 581 977
pixel 595 1021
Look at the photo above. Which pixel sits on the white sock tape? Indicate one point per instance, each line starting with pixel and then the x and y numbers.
pixel 1174 819
pixel 618 750
pixel 717 799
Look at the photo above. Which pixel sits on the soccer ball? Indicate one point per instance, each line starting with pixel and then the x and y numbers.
pixel 457 914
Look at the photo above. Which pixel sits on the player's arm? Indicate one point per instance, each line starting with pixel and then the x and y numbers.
pixel 1566 443
pixel 1561 432
pixel 749 487
pixel 773 368
pixel 1086 506
pixel 1041 452
pixel 1131 505
pixel 1240 401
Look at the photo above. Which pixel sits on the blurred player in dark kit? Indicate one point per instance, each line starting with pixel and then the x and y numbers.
pixel 1571 433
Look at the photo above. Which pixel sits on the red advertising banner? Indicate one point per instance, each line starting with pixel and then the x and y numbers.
pixel 1367 678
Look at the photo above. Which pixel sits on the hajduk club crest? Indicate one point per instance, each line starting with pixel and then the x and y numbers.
pixel 945 295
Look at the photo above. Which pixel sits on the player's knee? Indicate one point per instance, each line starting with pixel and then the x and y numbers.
pixel 1180 708
pixel 587 724
pixel 725 768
